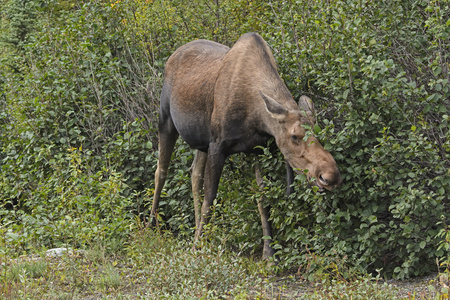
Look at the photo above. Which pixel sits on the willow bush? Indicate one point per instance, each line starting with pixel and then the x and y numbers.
pixel 79 88
pixel 379 71
pixel 78 112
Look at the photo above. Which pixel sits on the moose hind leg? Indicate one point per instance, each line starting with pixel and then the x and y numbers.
pixel 213 170
pixel 264 212
pixel 167 139
pixel 197 179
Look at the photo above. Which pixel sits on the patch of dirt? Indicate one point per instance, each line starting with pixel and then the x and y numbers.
pixel 421 287
pixel 417 288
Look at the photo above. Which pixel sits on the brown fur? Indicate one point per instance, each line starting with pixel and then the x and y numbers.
pixel 223 101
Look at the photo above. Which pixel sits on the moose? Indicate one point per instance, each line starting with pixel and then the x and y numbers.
pixel 222 101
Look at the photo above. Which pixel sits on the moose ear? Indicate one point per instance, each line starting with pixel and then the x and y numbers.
pixel 274 108
pixel 306 105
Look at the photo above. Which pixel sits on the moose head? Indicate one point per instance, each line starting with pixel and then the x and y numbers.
pixel 295 139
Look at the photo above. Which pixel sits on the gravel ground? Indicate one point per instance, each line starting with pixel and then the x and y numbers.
pixel 417 288
pixel 422 287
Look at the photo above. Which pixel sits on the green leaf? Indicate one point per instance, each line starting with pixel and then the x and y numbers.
pixel 437 70
pixel 317 129
pixel 12 236
pixel 422 244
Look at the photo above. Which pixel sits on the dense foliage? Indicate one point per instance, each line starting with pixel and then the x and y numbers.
pixel 79 87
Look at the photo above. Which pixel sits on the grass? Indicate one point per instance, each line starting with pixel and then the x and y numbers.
pixel 156 265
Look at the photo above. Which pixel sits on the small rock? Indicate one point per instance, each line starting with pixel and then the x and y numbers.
pixel 55 252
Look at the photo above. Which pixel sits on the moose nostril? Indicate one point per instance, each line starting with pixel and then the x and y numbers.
pixel 322 179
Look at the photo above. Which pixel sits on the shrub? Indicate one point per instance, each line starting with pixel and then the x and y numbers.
pixel 377 72
pixel 77 131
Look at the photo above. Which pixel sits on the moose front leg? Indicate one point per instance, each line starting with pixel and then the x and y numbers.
pixel 264 212
pixel 197 179
pixel 289 179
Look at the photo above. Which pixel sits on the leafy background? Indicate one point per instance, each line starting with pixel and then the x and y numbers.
pixel 79 89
